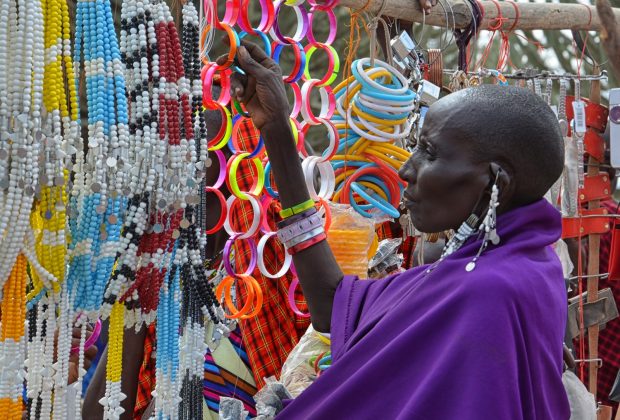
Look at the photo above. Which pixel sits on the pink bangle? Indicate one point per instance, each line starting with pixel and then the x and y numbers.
pixel 223 210
pixel 332 134
pixel 333 25
pixel 222 176
pixel 207 74
pixel 91 340
pixel 302 24
pixel 227 251
pixel 291 298
pixel 296 99
pixel 266 20
pixel 328 102
pixel 333 63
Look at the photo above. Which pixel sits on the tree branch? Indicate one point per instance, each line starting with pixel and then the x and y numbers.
pixel 610 34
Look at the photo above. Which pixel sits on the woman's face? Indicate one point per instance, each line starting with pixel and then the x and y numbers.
pixel 445 183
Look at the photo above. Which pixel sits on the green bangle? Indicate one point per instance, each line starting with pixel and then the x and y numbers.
pixel 291 211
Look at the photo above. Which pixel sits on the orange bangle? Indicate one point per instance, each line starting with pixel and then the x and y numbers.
pixel 254 298
pixel 328 213
pixel 233 41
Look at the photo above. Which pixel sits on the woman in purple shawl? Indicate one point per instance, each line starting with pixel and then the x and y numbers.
pixel 477 335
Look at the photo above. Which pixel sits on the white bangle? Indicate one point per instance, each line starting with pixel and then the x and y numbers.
pixel 332 134
pixel 326 172
pixel 256 207
pixel 288 258
pixel 378 86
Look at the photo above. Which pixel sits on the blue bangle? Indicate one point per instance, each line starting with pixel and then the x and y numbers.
pixel 380 114
pixel 270 191
pixel 256 150
pixel 302 66
pixel 262 36
pixel 376 201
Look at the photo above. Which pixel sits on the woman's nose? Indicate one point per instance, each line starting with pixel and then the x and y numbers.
pixel 407 172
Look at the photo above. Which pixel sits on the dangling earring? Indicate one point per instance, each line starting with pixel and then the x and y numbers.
pixel 488 226
pixel 464 232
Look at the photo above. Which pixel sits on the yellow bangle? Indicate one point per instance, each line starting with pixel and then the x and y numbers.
pixel 324 339
pixel 296 209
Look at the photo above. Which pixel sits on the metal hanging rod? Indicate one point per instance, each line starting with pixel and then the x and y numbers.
pixel 529 75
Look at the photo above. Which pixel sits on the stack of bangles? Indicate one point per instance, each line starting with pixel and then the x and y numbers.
pixel 375 106
pixel 301 227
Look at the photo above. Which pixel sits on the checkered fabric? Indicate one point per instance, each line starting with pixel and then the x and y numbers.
pixel 271 335
pixel 146 377
pixel 609 337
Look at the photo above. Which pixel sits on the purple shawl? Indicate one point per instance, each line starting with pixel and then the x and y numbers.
pixel 452 344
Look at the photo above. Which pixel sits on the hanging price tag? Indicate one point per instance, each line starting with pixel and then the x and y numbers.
pixel 579 110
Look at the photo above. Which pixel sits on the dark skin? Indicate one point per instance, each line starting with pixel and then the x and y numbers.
pixel 442 175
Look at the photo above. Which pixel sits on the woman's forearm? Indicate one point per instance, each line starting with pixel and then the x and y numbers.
pixel 318 271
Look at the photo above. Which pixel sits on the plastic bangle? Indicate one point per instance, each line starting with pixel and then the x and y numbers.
pixel 322 337
pixel 235 145
pixel 207 74
pixel 333 63
pixel 326 211
pixel 266 21
pixel 302 226
pixel 299 66
pixel 298 136
pixel 223 293
pixel 261 259
pixel 258 294
pixel 291 299
pixel 254 226
pixel 296 209
pixel 333 26
pixel 230 243
pixel 267 203
pixel 326 171
pixel 259 33
pixel 268 188
pixel 239 108
pixel 380 136
pixel 302 24
pixel 383 119
pixel 284 223
pixel 332 135
pixel 222 175
pixel 328 103
pixel 327 5
pixel 221 138
pixel 296 99
pixel 94 336
pixel 307 244
pixel 233 42
pixel 231 15
pixel 357 69
pixel 384 206
pixel 393 188
pixel 306 236
pixel 258 181
pixel 223 210
pixel 392 132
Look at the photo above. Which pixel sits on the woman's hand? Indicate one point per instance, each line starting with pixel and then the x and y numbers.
pixel 261 89
pixel 427 5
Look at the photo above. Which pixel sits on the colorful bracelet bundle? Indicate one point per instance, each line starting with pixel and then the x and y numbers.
pixel 261 194
pixel 375 107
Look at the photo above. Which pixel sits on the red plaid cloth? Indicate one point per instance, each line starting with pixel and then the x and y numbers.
pixel 271 335
pixel 146 377
pixel 609 337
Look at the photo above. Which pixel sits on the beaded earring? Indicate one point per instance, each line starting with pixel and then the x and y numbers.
pixel 488 227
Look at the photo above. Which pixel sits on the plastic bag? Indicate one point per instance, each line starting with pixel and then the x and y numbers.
pixel 351 237
pixel 297 374
pixel 386 260
pixel 582 404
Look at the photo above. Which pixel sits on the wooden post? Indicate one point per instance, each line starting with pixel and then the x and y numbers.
pixel 546 16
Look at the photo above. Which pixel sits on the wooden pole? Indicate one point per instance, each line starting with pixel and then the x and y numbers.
pixel 610 34
pixel 545 16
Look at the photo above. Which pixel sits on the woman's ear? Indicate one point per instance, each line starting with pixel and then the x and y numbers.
pixel 504 182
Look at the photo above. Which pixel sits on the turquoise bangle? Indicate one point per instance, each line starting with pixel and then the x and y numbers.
pixel 376 201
